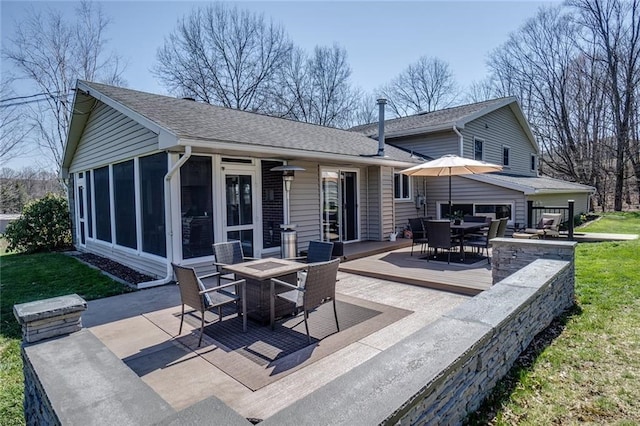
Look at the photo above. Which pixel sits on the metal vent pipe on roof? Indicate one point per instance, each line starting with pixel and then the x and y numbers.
pixel 381 103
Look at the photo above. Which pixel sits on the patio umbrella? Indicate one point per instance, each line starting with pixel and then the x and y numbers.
pixel 451 165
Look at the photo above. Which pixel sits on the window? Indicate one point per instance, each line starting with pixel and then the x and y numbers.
pixel 152 171
pixel 494 211
pixel 533 163
pixel 478 147
pixel 401 187
pixel 196 207
pixel 506 154
pixel 124 200
pixel 103 205
pixel 89 205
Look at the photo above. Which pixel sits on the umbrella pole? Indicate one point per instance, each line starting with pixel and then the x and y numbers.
pixel 449 193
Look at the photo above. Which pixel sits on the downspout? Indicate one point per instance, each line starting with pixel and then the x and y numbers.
pixel 460 141
pixel 168 222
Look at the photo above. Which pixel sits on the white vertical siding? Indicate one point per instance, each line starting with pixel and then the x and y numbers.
pixel 499 128
pixel 109 137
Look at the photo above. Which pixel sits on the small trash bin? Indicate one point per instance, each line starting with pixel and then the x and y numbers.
pixel 288 241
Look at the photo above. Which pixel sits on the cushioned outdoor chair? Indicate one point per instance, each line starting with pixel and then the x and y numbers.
pixel 502 228
pixel 548 226
pixel 317 288
pixel 228 253
pixel 485 241
pixel 418 234
pixel 194 294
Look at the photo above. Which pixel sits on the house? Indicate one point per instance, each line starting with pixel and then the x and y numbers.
pixel 494 131
pixel 155 179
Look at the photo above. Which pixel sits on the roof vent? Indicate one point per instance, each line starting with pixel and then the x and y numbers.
pixel 189 99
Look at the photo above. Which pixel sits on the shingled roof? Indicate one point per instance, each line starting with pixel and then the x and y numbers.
pixel 190 120
pixel 435 120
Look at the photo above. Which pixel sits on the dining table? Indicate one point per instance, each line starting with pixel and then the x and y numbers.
pixel 463 228
pixel 258 274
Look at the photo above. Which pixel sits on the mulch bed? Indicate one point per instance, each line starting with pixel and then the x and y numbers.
pixel 114 268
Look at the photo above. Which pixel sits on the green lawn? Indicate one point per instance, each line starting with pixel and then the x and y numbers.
pixel 590 373
pixel 25 278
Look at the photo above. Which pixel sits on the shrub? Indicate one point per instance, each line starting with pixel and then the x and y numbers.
pixel 43 226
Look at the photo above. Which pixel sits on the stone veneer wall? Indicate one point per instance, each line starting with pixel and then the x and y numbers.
pixel 437 375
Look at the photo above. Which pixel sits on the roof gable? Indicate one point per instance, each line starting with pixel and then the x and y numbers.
pixel 201 123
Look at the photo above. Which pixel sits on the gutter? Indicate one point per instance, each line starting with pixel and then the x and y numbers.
pixel 168 222
pixel 461 141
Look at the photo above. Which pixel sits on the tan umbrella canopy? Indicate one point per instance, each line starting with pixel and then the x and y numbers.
pixel 451 165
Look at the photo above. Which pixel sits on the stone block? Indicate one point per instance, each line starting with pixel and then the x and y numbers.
pixel 46 318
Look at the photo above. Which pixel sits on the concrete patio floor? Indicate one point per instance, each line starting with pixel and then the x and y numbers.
pixel 129 326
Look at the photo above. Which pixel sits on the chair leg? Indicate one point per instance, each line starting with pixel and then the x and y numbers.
pixel 244 308
pixel 306 326
pixel 412 244
pixel 181 320
pixel 201 328
pixel 219 313
pixel 335 313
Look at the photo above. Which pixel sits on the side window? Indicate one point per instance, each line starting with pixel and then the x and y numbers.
pixel 478 148
pixel 401 187
pixel 534 163
pixel 506 156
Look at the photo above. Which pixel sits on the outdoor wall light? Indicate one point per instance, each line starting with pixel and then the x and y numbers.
pixel 288 172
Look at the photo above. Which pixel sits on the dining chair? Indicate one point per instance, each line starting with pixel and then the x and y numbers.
pixel 319 287
pixel 194 294
pixel 485 241
pixel 440 237
pixel 418 234
pixel 502 229
pixel 318 251
pixel 228 253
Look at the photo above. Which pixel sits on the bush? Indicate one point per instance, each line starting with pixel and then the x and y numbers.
pixel 43 226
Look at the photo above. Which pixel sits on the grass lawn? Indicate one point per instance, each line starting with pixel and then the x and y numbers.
pixel 25 278
pixel 590 373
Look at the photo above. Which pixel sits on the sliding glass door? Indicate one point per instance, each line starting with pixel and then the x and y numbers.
pixel 340 205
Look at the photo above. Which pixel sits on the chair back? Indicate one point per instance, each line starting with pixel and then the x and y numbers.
pixel 189 287
pixel 555 217
pixel 229 252
pixel 474 219
pixel 320 284
pixel 417 228
pixel 502 228
pixel 494 226
pixel 319 251
pixel 439 232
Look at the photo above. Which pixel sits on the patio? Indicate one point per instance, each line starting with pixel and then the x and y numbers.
pixel 140 329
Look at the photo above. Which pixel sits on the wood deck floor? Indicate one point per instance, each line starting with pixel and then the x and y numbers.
pixel 397 264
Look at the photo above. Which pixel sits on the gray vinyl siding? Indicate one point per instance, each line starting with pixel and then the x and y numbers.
pixel 434 145
pixel 305 203
pixel 406 209
pixel 386 198
pixel 109 137
pixel 144 264
pixel 497 129
pixel 467 191
pixel 373 205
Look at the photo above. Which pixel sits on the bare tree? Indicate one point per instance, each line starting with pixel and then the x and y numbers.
pixel 13 126
pixel 224 56
pixel 615 28
pixel 424 86
pixel 52 53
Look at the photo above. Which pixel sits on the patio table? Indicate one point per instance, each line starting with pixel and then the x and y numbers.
pixel 465 228
pixel 258 274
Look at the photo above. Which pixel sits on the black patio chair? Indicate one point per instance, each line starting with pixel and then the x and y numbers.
pixel 485 241
pixel 440 237
pixel 418 234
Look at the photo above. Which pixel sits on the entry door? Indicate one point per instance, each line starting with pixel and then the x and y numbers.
pixel 240 212
pixel 339 205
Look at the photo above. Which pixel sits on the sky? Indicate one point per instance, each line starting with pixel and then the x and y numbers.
pixel 381 38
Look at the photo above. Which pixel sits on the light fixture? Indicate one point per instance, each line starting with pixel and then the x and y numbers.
pixel 288 172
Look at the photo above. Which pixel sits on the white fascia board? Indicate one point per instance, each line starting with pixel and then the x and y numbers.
pixel 139 118
pixel 289 153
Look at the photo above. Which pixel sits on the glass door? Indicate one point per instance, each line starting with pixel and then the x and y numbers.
pixel 239 203
pixel 339 205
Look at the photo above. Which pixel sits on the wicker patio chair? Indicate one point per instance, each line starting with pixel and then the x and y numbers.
pixel 319 287
pixel 418 234
pixel 485 241
pixel 502 229
pixel 194 294
pixel 228 253
pixel 439 232
pixel 318 251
